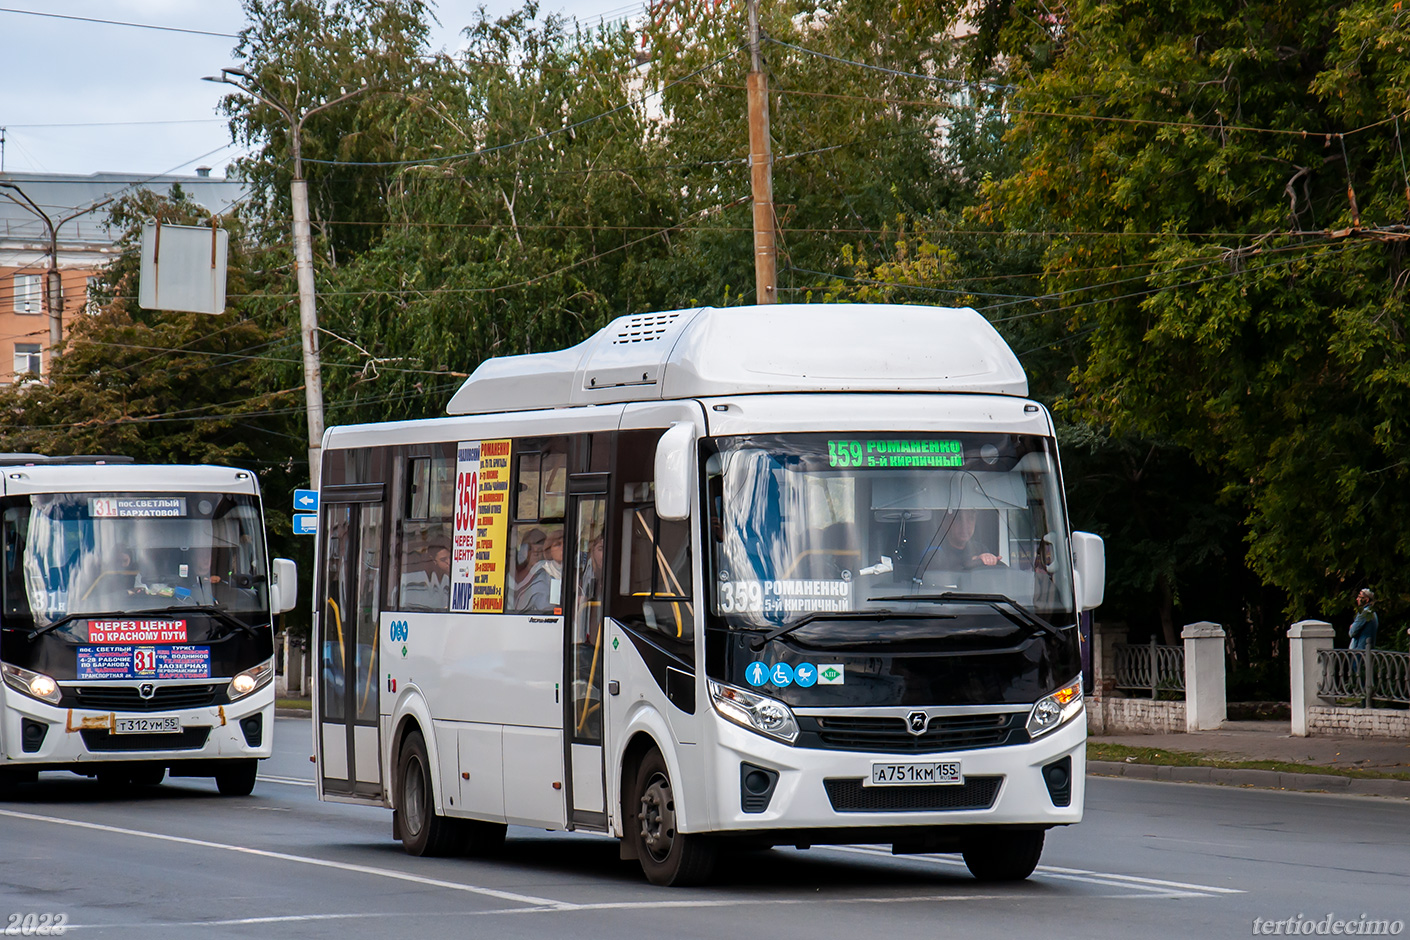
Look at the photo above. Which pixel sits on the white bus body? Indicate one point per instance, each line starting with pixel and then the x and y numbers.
pixel 774 575
pixel 135 626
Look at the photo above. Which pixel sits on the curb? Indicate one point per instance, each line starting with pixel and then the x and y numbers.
pixel 1264 779
pixel 293 713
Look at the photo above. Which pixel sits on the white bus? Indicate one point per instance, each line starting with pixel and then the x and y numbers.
pixel 135 621
pixel 784 575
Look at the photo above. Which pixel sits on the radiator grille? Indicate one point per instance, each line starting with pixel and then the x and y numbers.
pixel 889 735
pixel 188 739
pixel 124 698
pixel 849 796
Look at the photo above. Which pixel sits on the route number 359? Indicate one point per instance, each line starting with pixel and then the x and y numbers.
pixel 36 925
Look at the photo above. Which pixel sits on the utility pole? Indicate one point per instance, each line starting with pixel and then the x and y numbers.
pixel 761 169
pixel 303 253
pixel 53 281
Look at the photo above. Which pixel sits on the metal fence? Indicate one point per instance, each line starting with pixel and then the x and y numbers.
pixel 1150 668
pixel 1364 676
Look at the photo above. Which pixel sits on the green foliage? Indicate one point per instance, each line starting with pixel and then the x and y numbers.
pixel 1236 320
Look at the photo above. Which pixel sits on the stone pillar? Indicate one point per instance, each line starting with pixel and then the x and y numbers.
pixel 1105 636
pixel 1305 638
pixel 1205 703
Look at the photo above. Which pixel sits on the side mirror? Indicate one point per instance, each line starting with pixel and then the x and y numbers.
pixel 1089 569
pixel 674 475
pixel 283 585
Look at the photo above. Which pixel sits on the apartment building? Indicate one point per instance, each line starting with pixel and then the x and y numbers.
pixel 85 245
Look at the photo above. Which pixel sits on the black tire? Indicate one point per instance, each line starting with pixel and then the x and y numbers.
pixel 423 832
pixel 1004 856
pixel 114 779
pixel 237 777
pixel 668 857
pixel 148 775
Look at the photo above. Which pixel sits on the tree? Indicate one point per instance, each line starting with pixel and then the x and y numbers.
pixel 1236 173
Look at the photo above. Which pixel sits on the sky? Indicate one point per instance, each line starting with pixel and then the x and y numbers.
pixel 83 97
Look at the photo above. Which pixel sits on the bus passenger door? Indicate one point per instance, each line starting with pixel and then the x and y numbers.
pixel 586 660
pixel 349 604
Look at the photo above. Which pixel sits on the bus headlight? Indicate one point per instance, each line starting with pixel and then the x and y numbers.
pixel 251 679
pixel 34 684
pixel 756 712
pixel 1055 710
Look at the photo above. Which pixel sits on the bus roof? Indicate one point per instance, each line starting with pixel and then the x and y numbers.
pixel 710 351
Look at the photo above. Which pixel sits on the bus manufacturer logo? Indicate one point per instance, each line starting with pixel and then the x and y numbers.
pixel 916 722
pixel 146 690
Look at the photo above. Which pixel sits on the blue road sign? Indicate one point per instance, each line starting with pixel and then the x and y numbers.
pixel 305 523
pixel 306 500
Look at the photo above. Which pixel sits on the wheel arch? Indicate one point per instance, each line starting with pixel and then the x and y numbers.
pixel 412 714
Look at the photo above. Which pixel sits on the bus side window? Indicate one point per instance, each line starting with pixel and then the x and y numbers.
pixel 423 534
pixel 654 582
pixel 534 583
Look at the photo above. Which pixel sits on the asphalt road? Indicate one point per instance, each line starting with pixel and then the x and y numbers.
pixel 1151 860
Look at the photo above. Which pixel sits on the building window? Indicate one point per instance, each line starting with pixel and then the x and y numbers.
pixel 27 359
pixel 29 294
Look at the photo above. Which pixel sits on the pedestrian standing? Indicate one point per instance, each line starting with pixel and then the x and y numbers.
pixel 1363 627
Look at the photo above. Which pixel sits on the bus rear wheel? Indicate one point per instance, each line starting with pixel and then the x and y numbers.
pixel 1004 855
pixel 423 832
pixel 237 777
pixel 668 857
pixel 148 775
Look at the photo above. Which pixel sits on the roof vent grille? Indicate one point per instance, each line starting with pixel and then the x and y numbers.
pixel 646 328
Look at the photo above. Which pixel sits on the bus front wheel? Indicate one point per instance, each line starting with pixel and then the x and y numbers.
pixel 423 832
pixel 1004 855
pixel 236 777
pixel 668 857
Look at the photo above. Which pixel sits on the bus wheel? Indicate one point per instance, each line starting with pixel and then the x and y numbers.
pixel 237 777
pixel 148 775
pixel 422 831
pixel 668 857
pixel 1004 856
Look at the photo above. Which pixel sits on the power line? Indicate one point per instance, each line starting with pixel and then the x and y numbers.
pixel 121 123
pixel 91 19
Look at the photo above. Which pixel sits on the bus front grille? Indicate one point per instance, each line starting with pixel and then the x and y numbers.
pixel 125 698
pixel 889 735
pixel 187 739
pixel 849 796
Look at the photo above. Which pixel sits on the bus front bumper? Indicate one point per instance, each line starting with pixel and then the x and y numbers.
pixel 819 789
pixel 37 735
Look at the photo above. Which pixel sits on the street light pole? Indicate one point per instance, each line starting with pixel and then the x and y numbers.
pixel 53 281
pixel 303 254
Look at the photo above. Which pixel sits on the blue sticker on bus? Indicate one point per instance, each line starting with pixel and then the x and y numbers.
pixel 781 675
pixel 757 674
pixel 805 674
pixel 144 662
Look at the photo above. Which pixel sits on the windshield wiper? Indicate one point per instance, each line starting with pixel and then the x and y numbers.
pixel 881 613
pixel 70 618
pixel 996 601
pixel 217 613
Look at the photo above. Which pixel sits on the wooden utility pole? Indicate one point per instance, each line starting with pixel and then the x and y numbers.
pixel 761 169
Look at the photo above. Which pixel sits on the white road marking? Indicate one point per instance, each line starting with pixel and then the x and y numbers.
pixel 298 859
pixel 565 907
pixel 291 781
pixel 1155 886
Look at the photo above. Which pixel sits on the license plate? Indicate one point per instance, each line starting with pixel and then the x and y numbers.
pixel 170 725
pixel 924 773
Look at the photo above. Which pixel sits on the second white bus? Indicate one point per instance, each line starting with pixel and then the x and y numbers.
pixel 784 575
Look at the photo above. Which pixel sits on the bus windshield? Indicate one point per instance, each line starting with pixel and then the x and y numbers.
pixel 812 524
pixel 109 553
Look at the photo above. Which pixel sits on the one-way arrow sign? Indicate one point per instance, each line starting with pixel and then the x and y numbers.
pixel 305 500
